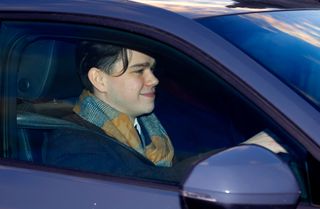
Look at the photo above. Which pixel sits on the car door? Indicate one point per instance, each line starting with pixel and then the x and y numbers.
pixel 203 78
pixel 28 184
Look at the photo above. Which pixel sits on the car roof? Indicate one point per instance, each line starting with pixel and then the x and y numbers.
pixel 187 8
pixel 122 10
pixel 90 7
pixel 205 8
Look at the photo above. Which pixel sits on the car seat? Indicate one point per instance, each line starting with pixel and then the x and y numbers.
pixel 47 85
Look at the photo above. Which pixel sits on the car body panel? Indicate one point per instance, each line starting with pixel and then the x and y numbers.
pixel 203 8
pixel 196 9
pixel 21 187
pixel 252 74
pixel 294 114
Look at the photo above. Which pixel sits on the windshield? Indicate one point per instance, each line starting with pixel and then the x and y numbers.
pixel 286 43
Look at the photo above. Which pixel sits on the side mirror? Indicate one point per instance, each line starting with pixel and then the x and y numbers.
pixel 246 176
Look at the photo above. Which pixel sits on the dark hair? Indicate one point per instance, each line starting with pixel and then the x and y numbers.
pixel 102 56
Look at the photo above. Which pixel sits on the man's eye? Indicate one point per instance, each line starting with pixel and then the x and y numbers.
pixel 140 71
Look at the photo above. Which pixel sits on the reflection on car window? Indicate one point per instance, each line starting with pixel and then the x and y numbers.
pixel 193 120
pixel 290 43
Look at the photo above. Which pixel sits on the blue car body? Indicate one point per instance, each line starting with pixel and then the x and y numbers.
pixel 33 186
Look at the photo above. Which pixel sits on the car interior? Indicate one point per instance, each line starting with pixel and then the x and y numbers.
pixel 41 101
pixel 47 93
pixel 196 107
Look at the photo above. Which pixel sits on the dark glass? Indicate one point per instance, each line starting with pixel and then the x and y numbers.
pixel 286 43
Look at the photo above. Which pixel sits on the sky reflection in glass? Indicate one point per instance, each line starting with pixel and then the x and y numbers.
pixel 197 8
pixel 286 43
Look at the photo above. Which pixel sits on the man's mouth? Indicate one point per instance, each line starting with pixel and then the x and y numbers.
pixel 149 94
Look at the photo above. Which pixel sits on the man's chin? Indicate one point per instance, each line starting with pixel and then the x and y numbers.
pixel 147 110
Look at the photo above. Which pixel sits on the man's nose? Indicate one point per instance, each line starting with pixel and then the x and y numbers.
pixel 151 79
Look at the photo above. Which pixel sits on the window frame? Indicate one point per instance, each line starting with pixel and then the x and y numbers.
pixel 220 65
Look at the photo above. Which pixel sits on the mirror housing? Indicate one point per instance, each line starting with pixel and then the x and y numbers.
pixel 246 176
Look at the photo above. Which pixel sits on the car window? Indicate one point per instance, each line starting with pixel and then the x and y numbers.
pixel 201 113
pixel 290 41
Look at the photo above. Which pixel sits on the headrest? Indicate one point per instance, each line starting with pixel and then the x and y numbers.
pixel 48 70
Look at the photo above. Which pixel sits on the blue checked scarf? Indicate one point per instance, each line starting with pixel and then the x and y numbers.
pixel 119 126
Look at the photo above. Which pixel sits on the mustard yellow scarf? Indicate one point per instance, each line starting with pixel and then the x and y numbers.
pixel 119 126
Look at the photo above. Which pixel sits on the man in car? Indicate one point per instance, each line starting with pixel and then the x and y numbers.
pixel 120 93
pixel 117 102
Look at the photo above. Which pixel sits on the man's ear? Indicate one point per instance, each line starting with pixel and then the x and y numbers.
pixel 97 78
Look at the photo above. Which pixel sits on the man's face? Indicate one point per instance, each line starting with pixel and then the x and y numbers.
pixel 133 92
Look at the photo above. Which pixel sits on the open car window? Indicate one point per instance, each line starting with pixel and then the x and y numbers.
pixel 200 112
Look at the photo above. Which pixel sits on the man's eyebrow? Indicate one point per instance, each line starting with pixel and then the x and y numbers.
pixel 143 65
